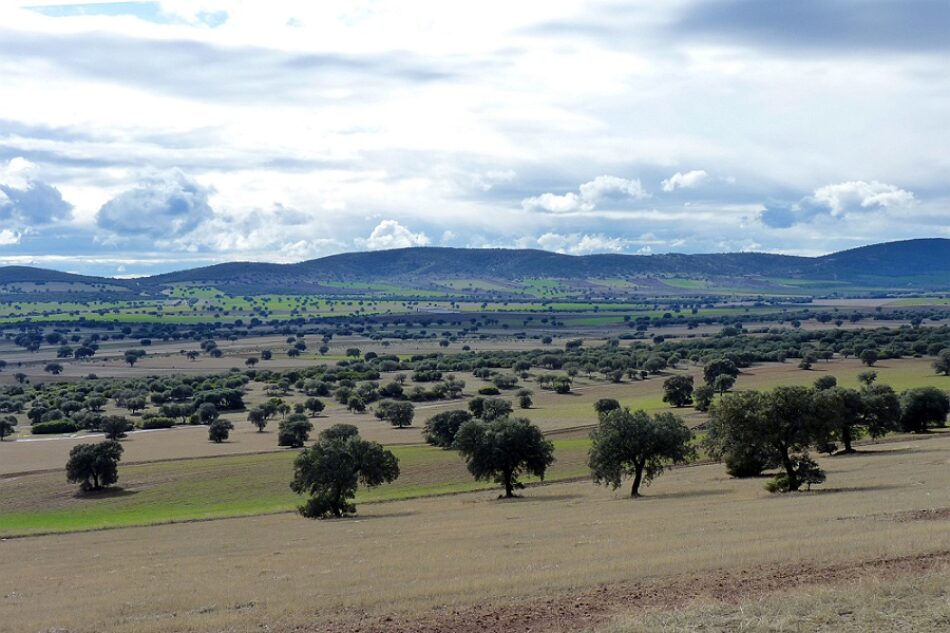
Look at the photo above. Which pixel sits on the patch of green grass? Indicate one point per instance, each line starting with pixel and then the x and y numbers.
pixel 242 485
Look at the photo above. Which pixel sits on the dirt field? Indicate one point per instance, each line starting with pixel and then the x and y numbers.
pixel 432 564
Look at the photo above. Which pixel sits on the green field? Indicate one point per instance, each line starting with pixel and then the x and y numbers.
pixel 219 487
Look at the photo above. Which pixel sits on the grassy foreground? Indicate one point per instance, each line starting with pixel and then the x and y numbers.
pixel 240 485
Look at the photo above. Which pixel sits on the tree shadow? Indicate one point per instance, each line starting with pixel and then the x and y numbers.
pixel 111 492
pixel 686 494
pixel 878 488
pixel 558 497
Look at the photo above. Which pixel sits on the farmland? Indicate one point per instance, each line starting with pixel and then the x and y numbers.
pixel 215 524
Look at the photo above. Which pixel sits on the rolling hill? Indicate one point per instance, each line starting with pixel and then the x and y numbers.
pixel 922 264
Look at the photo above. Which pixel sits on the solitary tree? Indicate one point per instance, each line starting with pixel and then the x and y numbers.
pixel 294 431
pixel 258 418
pixel 132 356
pixel 314 405
pixel 723 383
pixel 94 466
pixel 923 407
pixel 219 430
pixel 331 470
pixel 399 414
pixel 678 390
pixel 634 444
pixel 440 429
pixel 869 357
pixel 504 449
pixel 524 399
pixel 716 368
pixel 53 368
pixel 115 427
pixel 7 426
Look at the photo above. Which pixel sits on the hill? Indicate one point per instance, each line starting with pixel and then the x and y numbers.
pixel 922 264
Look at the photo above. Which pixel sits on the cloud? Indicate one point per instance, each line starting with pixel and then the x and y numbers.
pixel 824 25
pixel 858 195
pixel 589 195
pixel 841 200
pixel 688 180
pixel 27 200
pixel 9 237
pixel 392 234
pixel 576 244
pixel 169 205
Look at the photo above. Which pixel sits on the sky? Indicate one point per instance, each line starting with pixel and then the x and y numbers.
pixel 143 137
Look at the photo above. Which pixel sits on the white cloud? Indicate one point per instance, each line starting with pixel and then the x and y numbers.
pixel 9 237
pixel 392 234
pixel 854 195
pixel 686 180
pixel 577 244
pixel 590 194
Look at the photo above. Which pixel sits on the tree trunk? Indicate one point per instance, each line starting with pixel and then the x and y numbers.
pixel 508 486
pixel 846 438
pixel 790 470
pixel 637 478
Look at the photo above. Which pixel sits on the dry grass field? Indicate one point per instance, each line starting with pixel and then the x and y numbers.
pixel 470 562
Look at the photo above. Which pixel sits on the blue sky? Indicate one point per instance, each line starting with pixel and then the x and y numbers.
pixel 141 137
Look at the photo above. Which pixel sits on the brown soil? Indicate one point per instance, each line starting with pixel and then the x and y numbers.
pixel 585 610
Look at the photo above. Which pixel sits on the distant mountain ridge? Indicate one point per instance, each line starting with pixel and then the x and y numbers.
pixel 923 263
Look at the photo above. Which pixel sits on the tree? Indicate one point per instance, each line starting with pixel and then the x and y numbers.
pixel 503 450
pixel 94 466
pixel 826 382
pixel 495 408
pixel 258 418
pixel 132 356
pixel 399 414
pixel 678 390
pixel 53 368
pixel 942 362
pixel 7 426
pixel 719 367
pixel 806 362
pixel 207 413
pixel 115 427
pixel 776 428
pixel 314 406
pixel 867 378
pixel 252 361
pixel 331 470
pixel 723 383
pixel 440 429
pixel 703 396
pixel 219 430
pixel 524 399
pixel 869 357
pixel 923 407
pixel 605 406
pixel 294 431
pixel 634 444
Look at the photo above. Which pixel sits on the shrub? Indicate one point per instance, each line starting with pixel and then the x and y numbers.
pixel 156 423
pixel 55 426
pixel 489 390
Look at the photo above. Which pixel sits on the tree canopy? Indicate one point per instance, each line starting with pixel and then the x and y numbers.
pixel 635 444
